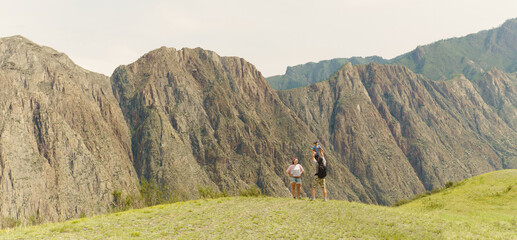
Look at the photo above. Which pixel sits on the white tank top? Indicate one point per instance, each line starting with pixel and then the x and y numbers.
pixel 296 170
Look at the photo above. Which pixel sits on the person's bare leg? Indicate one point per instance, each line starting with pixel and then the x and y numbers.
pixel 313 193
pixel 298 187
pixel 293 184
pixel 324 189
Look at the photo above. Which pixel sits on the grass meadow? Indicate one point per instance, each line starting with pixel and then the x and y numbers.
pixel 484 207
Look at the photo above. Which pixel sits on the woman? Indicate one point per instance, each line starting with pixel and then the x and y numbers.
pixel 295 173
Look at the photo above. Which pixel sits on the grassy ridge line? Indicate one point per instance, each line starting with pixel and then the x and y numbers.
pixel 483 207
pixel 240 217
pixel 488 197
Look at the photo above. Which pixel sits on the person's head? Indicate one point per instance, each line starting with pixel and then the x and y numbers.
pixel 295 160
pixel 320 159
pixel 316 143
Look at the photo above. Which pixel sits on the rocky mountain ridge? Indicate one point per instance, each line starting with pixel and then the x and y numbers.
pixel 64 144
pixel 444 130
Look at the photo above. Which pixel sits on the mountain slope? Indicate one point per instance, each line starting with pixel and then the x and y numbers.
pixel 444 128
pixel 471 56
pixel 499 90
pixel 486 198
pixel 64 144
pixel 481 207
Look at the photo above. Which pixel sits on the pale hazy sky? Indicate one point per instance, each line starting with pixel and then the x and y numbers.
pixel 271 34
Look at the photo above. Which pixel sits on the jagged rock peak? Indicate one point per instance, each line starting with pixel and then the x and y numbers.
pixel 196 67
pixel 510 22
pixel 19 44
pixel 18 38
pixel 184 56
pixel 19 53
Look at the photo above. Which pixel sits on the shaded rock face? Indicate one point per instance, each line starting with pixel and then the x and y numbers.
pixel 405 125
pixel 499 90
pixel 445 129
pixel 192 117
pixel 64 144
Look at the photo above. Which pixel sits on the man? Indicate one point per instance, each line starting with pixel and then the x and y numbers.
pixel 319 177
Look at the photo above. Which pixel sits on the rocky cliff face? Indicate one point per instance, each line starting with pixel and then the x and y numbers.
pixel 389 117
pixel 445 129
pixel 64 144
pixel 499 90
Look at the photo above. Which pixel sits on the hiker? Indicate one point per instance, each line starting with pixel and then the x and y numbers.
pixel 316 149
pixel 319 177
pixel 295 173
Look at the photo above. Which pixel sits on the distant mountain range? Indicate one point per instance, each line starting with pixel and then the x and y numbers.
pixel 309 73
pixel 471 56
pixel 190 119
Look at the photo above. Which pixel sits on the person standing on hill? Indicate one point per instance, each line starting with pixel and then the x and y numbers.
pixel 295 177
pixel 319 177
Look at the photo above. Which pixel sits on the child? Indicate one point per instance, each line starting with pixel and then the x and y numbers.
pixel 317 150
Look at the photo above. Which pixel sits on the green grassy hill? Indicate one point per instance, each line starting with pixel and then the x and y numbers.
pixel 484 207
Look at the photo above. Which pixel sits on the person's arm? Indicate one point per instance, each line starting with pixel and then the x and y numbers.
pixel 314 154
pixel 289 171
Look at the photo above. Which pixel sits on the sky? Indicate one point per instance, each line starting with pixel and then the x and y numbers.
pixel 270 34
